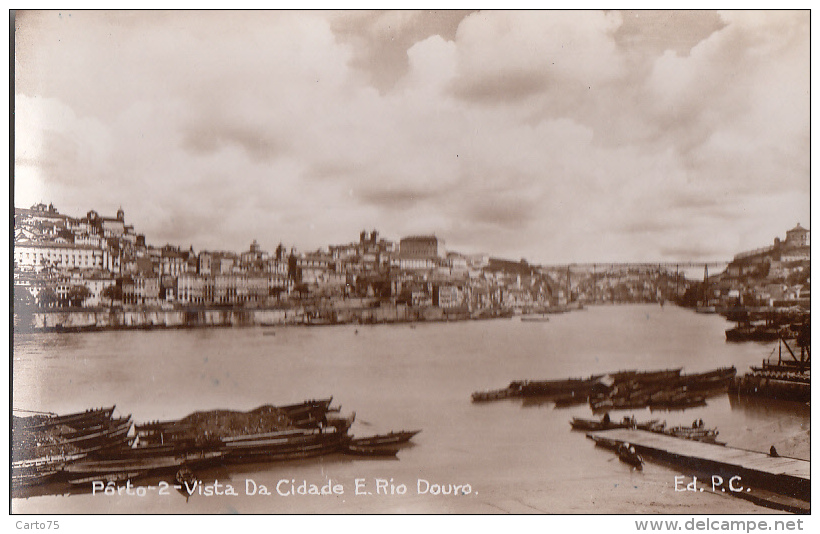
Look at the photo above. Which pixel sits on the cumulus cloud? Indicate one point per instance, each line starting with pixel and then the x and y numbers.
pixel 556 136
pixel 510 55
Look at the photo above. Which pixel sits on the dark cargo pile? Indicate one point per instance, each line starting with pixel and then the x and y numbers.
pixel 226 423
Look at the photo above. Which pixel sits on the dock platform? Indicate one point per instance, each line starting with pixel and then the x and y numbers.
pixel 788 477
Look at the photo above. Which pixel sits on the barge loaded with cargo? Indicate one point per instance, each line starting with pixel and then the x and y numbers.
pixel 94 446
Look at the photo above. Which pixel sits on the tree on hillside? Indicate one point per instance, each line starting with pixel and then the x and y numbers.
pixel 77 294
pixel 46 298
pixel 276 292
pixel 112 293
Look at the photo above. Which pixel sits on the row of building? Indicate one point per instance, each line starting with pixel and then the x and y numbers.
pixel 95 261
pixel 775 276
pixel 101 261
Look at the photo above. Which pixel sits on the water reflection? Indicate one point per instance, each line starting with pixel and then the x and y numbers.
pixel 766 408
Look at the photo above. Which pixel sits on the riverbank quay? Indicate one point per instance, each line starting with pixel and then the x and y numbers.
pixel 767 479
pixel 353 311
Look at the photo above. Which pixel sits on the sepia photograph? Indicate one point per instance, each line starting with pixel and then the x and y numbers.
pixel 411 262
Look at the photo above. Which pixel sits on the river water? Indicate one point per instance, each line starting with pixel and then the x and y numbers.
pixel 506 456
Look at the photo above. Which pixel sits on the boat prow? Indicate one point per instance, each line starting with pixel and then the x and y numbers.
pixel 629 455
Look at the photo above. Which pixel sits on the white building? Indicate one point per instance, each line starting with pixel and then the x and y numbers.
pixel 38 256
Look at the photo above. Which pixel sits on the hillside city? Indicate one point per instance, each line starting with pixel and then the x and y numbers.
pixel 100 262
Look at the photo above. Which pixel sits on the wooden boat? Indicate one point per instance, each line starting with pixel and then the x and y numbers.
pixel 40 470
pixel 750 332
pixel 113 429
pixel 534 319
pixel 257 447
pixel 710 380
pixel 39 444
pixel 307 414
pixel 496 394
pixel 696 434
pixel 33 478
pixel 76 420
pixel 70 433
pixel 287 445
pixel 652 423
pixel 393 438
pixel 185 477
pixel 618 403
pixel 165 433
pixel 362 450
pixel 86 471
pixel 578 386
pixel 571 400
pixel 306 407
pixel 791 390
pixel 645 376
pixel 629 455
pixel 580 423
pixel 199 428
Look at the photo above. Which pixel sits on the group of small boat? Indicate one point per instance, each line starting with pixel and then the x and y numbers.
pixel 663 389
pixel 787 378
pixel 43 444
pixel 768 327
pixel 697 432
pixel 627 452
pixel 605 423
pixel 756 332
pixel 91 446
pixel 570 388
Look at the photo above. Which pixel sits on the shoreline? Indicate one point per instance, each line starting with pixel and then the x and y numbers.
pixel 105 319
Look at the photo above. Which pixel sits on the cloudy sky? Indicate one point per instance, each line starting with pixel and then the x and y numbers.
pixel 551 136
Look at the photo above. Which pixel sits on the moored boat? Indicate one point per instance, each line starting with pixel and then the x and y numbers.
pixel 580 423
pixel 751 332
pixel 364 450
pixel 629 455
pixel 534 318
pixel 29 445
pixel 708 435
pixel 104 451
pixel 287 445
pixel 646 376
pixel 393 438
pixel 86 471
pixel 495 394
pixel 33 477
pixel 715 379
pixel 571 400
pixel 577 386
pixel 76 420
